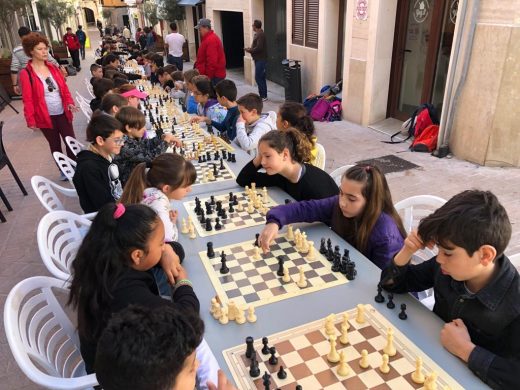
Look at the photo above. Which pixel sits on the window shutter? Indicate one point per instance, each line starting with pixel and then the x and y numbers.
pixel 312 23
pixel 298 16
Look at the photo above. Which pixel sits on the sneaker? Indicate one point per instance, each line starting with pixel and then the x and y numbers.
pixel 264 99
pixel 63 177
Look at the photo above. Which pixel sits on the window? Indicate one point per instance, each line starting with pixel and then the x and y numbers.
pixel 305 22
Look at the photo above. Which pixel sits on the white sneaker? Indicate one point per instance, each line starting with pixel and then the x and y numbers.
pixel 63 177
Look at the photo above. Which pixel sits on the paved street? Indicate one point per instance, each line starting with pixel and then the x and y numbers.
pixel 344 142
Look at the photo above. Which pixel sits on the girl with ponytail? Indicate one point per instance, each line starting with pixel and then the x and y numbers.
pixel 362 214
pixel 285 156
pixel 292 114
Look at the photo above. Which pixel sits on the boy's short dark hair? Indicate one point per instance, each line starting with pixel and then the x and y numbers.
pixel 109 58
pixel 101 87
pixel 251 101
pixel 468 220
pixel 95 67
pixel 173 26
pixel 177 75
pixel 160 72
pixel 102 126
pixel 257 23
pixel 146 348
pixel 228 89
pixel 169 68
pixel 158 60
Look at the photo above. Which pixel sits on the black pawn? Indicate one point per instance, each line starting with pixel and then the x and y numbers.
pixel 273 360
pixel 212 200
pixel 336 265
pixel 210 252
pixel 281 373
pixel 390 304
pixel 257 235
pixel 231 197
pixel 218 226
pixel 287 201
pixel 224 268
pixel 323 248
pixel 379 298
pixel 249 347
pixel 215 172
pixel 200 159
pixel 330 254
pixel 346 256
pixel 223 215
pixel 402 314
pixel 209 210
pixel 208 225
pixel 202 216
pixel 337 250
pixel 266 381
pixel 254 370
pixel 224 154
pixel 222 164
pixel 231 209
pixel 351 271
pixel 265 348
pixel 281 261
pixel 235 200
pixel 329 244
pixel 233 158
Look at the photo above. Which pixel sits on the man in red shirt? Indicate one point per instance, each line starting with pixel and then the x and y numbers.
pixel 72 42
pixel 211 60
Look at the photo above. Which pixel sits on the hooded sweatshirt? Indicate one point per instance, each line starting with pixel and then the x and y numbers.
pixel 249 135
pixel 96 181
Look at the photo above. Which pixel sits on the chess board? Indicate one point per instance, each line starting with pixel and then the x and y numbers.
pixel 303 353
pixel 234 221
pixel 222 174
pixel 255 282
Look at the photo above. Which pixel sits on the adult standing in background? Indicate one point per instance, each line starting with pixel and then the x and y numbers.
pixel 72 42
pixel 211 60
pixel 258 51
pixel 99 26
pixel 127 34
pixel 82 37
pixel 174 43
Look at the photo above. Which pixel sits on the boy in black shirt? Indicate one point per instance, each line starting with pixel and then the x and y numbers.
pixel 476 288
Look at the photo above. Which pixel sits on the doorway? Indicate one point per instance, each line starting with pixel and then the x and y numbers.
pixel 275 29
pixel 422 46
pixel 89 16
pixel 126 21
pixel 233 38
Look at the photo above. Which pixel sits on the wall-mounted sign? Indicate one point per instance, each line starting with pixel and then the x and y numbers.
pixel 421 10
pixel 453 10
pixel 362 10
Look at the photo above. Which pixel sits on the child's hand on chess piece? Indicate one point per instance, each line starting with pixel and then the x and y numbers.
pixel 455 338
pixel 223 383
pixel 171 139
pixel 196 119
pixel 267 236
pixel 170 263
pixel 412 244
pixel 173 216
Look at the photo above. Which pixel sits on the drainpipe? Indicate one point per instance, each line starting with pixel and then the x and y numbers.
pixel 451 99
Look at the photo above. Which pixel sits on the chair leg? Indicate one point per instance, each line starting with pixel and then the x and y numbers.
pixel 6 202
pixel 2 218
pixel 15 175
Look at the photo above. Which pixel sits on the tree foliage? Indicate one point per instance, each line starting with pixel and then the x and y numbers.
pixel 7 10
pixel 171 11
pixel 150 12
pixel 56 11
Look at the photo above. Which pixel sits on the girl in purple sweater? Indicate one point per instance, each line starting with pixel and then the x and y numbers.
pixel 362 214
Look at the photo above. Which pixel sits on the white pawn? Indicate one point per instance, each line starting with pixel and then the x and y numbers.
pixel 217 312
pixel 213 305
pixel 257 255
pixel 389 348
pixel 304 243
pixel 302 281
pixel 344 335
pixel 250 208
pixel 333 355
pixel 224 316
pixel 360 318
pixel 290 233
pixel 417 375
pixel 184 229
pixel 363 362
pixel 329 325
pixel 240 318
pixel 311 255
pixel 253 186
pixel 286 278
pixel 232 310
pixel 251 316
pixel 385 368
pixel 191 230
pixel 345 320
pixel 264 194
pixel 239 207
pixel 343 369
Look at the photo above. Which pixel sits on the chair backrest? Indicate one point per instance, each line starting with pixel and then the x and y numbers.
pixel 74 145
pixel 319 161
pixel 67 165
pixel 45 190
pixel 42 338
pixel 59 236
pixel 3 154
pixel 89 87
pixel 337 173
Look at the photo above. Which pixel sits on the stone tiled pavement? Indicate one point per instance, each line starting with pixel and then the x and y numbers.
pixel 344 142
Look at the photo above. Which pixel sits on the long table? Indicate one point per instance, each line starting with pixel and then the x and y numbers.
pixel 422 327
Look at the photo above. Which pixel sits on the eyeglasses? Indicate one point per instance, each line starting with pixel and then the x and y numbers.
pixel 117 141
pixel 50 85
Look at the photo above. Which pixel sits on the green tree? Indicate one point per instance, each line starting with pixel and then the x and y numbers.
pixel 150 12
pixel 107 14
pixel 7 11
pixel 171 11
pixel 56 11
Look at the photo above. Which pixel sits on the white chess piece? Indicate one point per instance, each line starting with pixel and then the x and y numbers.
pixel 302 281
pixel 257 255
pixel 363 362
pixel 333 355
pixel 251 316
pixel 290 233
pixel 213 306
pixel 389 348
pixel 344 335
pixel 417 375
pixel 239 207
pixel 431 381
pixel 360 318
pixel 232 310
pixel 329 325
pixel 286 278
pixel 184 229
pixel 250 208
pixel 385 368
pixel 253 186
pixel 343 369
pixel 345 319
pixel 240 318
pixel 304 244
pixel 224 319
pixel 311 255
pixel 264 194
pixel 191 230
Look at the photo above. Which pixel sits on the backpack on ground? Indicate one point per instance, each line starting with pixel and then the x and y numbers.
pixel 427 140
pixel 423 116
pixel 326 110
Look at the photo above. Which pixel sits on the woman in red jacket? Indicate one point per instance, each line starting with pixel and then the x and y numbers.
pixel 48 105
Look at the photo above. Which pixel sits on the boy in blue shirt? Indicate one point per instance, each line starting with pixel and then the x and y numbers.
pixel 476 288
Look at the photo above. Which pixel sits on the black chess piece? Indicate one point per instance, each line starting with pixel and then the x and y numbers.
pixel 298 387
pixel 222 164
pixel 202 217
pixel 223 215
pixel 217 156
pixel 219 207
pixel 235 200
pixel 337 250
pixel 281 261
pixel 218 226
pixel 266 381
pixel 233 158
pixel 231 209
pixel 229 157
pixel 273 360
pixel 223 268
pixel 343 266
pixel 224 154
pixel 323 249
pixel 209 227
pixel 208 155
pixel 330 254
pixel 351 271
pixel 254 370
pixel 379 298
pixel 210 253
pixel 402 314
pixel 265 348
pixel 281 373
pixel 249 347
pixel 257 235
pixel 212 200
pixel 336 263
pixel 215 171
pixel 203 158
pixel 287 201
pixel 209 209
pixel 346 256
pixel 390 304
pixel 231 197
pixel 329 244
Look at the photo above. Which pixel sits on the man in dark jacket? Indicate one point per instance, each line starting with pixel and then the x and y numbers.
pixel 72 42
pixel 258 51
pixel 211 60
pixel 82 37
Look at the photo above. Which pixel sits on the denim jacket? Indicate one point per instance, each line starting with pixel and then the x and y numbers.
pixel 492 315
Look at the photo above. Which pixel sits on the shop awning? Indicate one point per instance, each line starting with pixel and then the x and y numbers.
pixel 189 2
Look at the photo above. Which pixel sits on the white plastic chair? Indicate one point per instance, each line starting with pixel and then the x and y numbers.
pixel 74 145
pixel 67 165
pixel 46 189
pixel 321 156
pixel 59 236
pixel 412 210
pixel 89 87
pixel 42 338
pixel 337 173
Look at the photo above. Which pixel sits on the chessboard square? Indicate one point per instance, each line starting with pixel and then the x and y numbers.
pixel 378 342
pixel 273 283
pixel 292 359
pixel 326 378
pixel 402 366
pixel 249 298
pixel 315 265
pixel 262 270
pixel 299 262
pixel 291 286
pixel 329 278
pixel 289 250
pixel 233 293
pixel 308 353
pixel 371 378
pixel 351 353
pixel 271 277
pixel 251 273
pixel 323 348
pixel 403 383
pixel 301 371
pixel 382 386
pixel 365 345
pixel 284 347
pixel 375 359
pixel 335 386
pixel 236 249
pixel 354 337
pixel 245 290
pixel 369 332
pixel 239 275
pixel 234 270
pixel 227 281
pixel 245 262
pixel 299 342
pixel 259 219
pixel 354 383
pixel 257 280
pixel 315 337
pixel 279 290
pixel 243 282
pixel 276 252
pixel 264 294
pixel 317 364
pixel 311 274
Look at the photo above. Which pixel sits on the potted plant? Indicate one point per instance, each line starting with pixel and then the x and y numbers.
pixel 5 71
pixel 59 50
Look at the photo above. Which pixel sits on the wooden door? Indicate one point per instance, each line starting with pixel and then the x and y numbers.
pixel 275 28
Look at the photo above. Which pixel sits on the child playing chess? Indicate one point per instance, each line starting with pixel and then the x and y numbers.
pixel 168 177
pixel 208 104
pixel 110 273
pixel 285 155
pixel 476 288
pixel 362 214
pixel 190 105
pixel 164 340
pixel 292 114
pixel 252 124
pixel 96 178
pixel 136 148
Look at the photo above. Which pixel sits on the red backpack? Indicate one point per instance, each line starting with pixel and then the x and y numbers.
pixel 426 141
